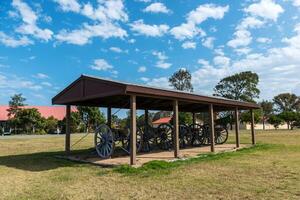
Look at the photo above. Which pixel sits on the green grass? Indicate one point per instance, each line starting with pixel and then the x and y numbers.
pixel 270 170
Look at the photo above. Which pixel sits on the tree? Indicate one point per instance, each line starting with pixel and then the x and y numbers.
pixel 275 120
pixel 247 118
pixel 181 80
pixel 29 120
pixel 74 122
pixel 287 102
pixel 90 116
pixel 14 106
pixel 267 110
pixel 289 117
pixel 241 86
pixel 50 125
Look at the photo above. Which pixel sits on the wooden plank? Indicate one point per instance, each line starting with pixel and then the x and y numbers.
pixel 109 117
pixel 237 127
pixel 252 127
pixel 68 130
pixel 212 127
pixel 132 130
pixel 176 128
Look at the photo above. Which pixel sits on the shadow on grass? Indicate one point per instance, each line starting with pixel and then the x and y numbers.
pixel 41 161
pixel 163 167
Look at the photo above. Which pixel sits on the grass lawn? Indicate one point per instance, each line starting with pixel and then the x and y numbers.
pixel 29 170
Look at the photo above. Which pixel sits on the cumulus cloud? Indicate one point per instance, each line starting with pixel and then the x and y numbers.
pixel 189 45
pixel 14 42
pixel 266 9
pixel 101 65
pixel 208 42
pixel 241 38
pixel 264 40
pixel 157 8
pixel 29 18
pixel 83 35
pixel 189 29
pixel 149 30
pixel 161 63
pixel 41 76
pixel 162 82
pixel 142 69
pixel 69 5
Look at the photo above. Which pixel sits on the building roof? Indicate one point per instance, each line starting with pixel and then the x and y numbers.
pixel 95 91
pixel 58 112
pixel 162 120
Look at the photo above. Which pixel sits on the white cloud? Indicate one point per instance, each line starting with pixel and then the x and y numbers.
pixel 205 11
pixel 161 63
pixel 203 62
pixel 145 79
pixel 189 29
pixel 189 45
pixel 208 42
pixel 242 38
pixel 142 69
pixel 264 40
pixel 69 5
pixel 274 67
pixel 296 3
pixel 116 49
pixel 266 9
pixel 149 30
pixel 14 42
pixel 29 18
pixel 46 84
pixel 82 36
pixel 250 22
pixel 162 82
pixel 41 76
pixel 186 31
pixel 101 65
pixel 157 8
pixel 221 61
pixel 12 82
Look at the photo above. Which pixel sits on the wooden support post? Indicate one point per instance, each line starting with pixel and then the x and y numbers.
pixel 212 127
pixel 146 120
pixel 109 117
pixel 132 130
pixel 194 118
pixel 176 128
pixel 237 128
pixel 68 130
pixel 252 127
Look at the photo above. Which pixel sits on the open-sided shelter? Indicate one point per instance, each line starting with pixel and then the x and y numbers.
pixel 99 92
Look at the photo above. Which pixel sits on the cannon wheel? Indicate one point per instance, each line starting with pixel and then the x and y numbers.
pixel 165 139
pixel 197 134
pixel 139 141
pixel 185 136
pixel 104 141
pixel 221 135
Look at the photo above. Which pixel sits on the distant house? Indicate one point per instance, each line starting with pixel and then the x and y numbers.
pixel 162 120
pixel 58 112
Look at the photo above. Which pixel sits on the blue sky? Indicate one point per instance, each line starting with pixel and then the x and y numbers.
pixel 45 45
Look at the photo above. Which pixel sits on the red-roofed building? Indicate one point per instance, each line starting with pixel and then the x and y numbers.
pixel 161 121
pixel 58 112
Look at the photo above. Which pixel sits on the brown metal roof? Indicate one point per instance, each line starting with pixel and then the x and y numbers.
pixel 95 91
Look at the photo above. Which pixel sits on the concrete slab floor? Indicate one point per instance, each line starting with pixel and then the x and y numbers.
pixel 143 158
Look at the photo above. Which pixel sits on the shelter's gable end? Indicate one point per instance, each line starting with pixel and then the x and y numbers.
pixel 101 88
pixel 71 93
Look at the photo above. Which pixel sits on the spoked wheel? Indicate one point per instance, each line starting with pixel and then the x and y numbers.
pixel 206 134
pixel 148 138
pixel 197 134
pixel 139 141
pixel 165 139
pixel 104 141
pixel 221 135
pixel 185 136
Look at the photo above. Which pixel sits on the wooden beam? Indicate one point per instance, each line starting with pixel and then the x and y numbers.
pixel 109 117
pixel 252 127
pixel 68 130
pixel 212 127
pixel 237 127
pixel 176 128
pixel 132 130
